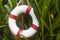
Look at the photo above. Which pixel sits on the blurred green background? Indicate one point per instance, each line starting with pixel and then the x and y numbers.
pixel 47 13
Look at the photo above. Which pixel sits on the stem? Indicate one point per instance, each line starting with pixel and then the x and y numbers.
pixel 51 32
pixel 42 32
pixel 47 27
pixel 22 21
pixel 22 17
pixel 42 29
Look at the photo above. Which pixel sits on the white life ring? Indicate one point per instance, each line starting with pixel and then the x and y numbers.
pixel 12 21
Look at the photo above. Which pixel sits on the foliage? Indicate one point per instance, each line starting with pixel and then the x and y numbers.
pixel 47 13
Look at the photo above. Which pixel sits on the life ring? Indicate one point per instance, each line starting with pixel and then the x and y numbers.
pixel 12 21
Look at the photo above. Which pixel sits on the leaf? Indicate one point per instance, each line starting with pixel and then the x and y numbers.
pixel 14 3
pixel 2 26
pixel 45 8
pixel 7 7
pixel 57 6
pixel 58 35
pixel 56 22
pixel 10 3
pixel 1 7
pixel 37 4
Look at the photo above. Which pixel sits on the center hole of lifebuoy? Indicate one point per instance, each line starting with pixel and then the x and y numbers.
pixel 24 21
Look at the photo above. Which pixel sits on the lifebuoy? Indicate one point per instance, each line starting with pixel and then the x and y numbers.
pixel 12 21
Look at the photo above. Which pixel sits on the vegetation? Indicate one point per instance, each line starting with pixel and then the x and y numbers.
pixel 47 13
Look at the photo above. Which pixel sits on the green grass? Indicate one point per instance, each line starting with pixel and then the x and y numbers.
pixel 49 28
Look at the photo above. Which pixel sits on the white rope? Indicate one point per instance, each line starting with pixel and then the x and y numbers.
pixel 20 2
pixel 28 2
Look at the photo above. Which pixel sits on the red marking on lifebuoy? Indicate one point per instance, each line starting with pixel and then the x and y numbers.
pixel 12 16
pixel 18 33
pixel 34 27
pixel 28 9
